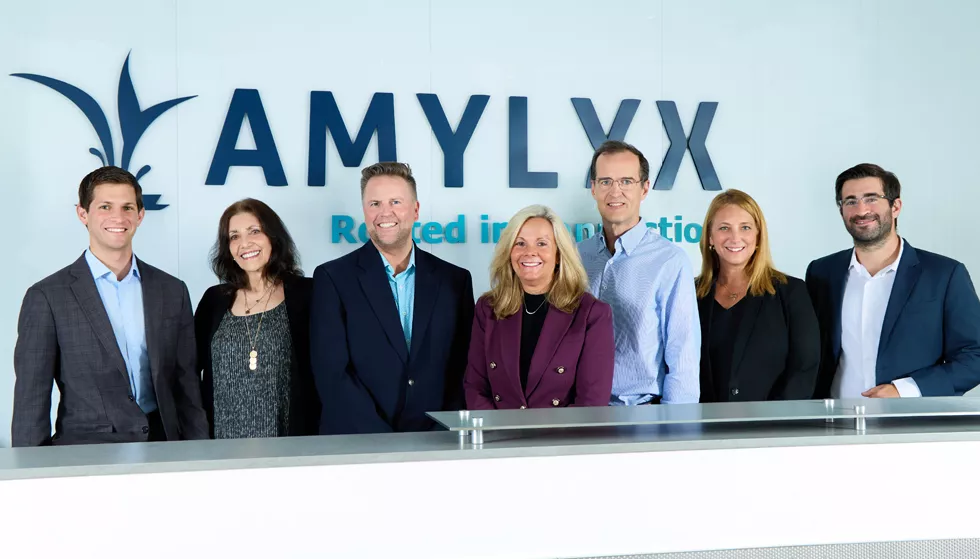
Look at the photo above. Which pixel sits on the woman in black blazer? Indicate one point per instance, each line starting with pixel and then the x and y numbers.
pixel 253 337
pixel 759 335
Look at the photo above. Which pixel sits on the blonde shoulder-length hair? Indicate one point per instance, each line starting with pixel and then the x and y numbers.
pixel 763 276
pixel 569 283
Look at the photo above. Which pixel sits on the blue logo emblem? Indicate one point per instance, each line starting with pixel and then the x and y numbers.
pixel 133 121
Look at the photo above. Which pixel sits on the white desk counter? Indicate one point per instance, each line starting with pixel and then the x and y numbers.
pixel 563 493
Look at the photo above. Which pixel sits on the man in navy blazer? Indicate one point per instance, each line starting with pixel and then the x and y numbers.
pixel 895 321
pixel 390 323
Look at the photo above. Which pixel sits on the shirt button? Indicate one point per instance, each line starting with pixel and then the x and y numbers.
pixel 131 399
pixel 146 429
pixel 555 402
pixel 560 370
pixel 497 397
pixel 411 382
pixel 523 407
pixel 493 365
pixel 734 391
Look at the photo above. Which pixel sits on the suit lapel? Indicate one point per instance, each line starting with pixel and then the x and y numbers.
pixel 426 290
pixel 556 323
pixel 508 336
pixel 905 277
pixel 374 283
pixel 87 295
pixel 838 281
pixel 152 315
pixel 744 331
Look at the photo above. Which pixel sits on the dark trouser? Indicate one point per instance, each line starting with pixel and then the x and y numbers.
pixel 654 401
pixel 157 432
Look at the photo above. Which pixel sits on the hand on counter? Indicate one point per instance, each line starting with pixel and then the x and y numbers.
pixel 882 391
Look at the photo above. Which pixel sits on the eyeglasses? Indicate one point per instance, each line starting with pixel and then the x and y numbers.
pixel 870 199
pixel 624 183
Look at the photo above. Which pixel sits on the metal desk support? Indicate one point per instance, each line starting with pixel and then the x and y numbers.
pixel 471 424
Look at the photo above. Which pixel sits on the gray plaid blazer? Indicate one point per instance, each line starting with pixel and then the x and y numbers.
pixel 64 337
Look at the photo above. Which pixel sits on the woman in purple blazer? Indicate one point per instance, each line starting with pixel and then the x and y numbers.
pixel 540 340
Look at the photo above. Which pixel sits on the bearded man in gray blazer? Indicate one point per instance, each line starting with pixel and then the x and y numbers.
pixel 115 334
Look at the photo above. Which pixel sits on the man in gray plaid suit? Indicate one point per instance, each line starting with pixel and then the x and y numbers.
pixel 115 334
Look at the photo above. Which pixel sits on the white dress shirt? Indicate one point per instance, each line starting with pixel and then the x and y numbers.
pixel 862 314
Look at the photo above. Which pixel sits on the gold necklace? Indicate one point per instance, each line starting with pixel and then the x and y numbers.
pixel 731 295
pixel 253 355
pixel 248 309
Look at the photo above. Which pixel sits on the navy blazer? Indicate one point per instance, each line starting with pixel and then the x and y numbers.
pixel 368 378
pixel 931 330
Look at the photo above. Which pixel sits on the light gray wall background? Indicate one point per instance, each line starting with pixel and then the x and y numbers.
pixel 805 90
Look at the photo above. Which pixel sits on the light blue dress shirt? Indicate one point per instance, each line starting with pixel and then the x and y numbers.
pixel 403 289
pixel 650 287
pixel 123 302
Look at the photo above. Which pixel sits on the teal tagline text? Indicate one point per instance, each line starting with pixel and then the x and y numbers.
pixel 345 229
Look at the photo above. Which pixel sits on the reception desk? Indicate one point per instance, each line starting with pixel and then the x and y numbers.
pixel 577 491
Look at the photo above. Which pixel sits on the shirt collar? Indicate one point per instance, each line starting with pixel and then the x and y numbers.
pixel 893 267
pixel 629 240
pixel 391 270
pixel 100 270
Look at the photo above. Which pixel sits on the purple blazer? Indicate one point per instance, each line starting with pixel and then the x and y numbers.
pixel 572 363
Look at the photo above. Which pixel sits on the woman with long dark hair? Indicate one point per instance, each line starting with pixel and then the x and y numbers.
pixel 253 330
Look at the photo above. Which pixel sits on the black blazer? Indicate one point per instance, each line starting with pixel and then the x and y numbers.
pixel 931 329
pixel 777 348
pixel 304 414
pixel 64 337
pixel 369 380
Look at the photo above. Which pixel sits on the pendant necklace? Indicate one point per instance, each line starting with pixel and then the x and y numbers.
pixel 248 309
pixel 731 295
pixel 537 309
pixel 253 355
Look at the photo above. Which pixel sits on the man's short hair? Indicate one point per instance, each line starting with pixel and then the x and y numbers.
pixel 388 169
pixel 107 175
pixel 615 146
pixel 892 188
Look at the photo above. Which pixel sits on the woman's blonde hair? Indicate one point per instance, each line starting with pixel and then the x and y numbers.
pixel 762 275
pixel 568 284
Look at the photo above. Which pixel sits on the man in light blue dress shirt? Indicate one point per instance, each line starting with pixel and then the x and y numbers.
pixel 649 283
pixel 403 290
pixel 123 302
pixel 114 334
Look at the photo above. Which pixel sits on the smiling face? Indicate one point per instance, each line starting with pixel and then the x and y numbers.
pixel 534 255
pixel 868 216
pixel 734 235
pixel 112 218
pixel 390 212
pixel 248 243
pixel 617 188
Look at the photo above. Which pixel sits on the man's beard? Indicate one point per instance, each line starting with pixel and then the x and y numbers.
pixel 870 237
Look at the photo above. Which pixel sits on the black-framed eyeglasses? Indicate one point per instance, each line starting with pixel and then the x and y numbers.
pixel 869 200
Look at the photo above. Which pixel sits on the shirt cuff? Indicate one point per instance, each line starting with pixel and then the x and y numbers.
pixel 907 388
